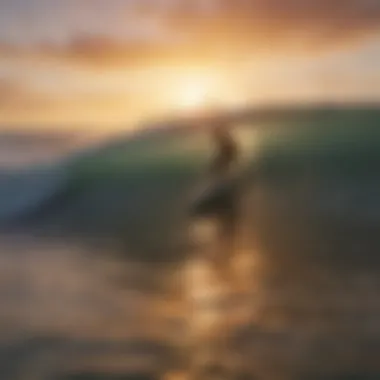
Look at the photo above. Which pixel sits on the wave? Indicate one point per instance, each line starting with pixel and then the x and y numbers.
pixel 126 186
pixel 24 191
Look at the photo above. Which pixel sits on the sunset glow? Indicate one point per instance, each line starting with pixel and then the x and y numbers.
pixel 114 62
pixel 192 96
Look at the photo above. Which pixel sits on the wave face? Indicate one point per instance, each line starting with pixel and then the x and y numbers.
pixel 320 167
pixel 319 184
pixel 119 189
pixel 23 192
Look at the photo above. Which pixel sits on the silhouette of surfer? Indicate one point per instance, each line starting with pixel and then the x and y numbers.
pixel 222 170
pixel 220 201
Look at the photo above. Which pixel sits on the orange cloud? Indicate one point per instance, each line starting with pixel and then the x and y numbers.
pixel 231 28
pixel 20 104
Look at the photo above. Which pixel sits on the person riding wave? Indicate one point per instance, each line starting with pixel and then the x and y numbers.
pixel 220 201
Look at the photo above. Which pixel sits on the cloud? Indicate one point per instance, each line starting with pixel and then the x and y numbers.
pixel 297 24
pixel 24 104
pixel 93 50
pixel 184 30
pixel 12 92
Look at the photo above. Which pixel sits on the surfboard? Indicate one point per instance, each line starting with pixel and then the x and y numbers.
pixel 213 198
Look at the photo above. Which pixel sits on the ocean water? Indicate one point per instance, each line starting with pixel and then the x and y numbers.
pixel 104 276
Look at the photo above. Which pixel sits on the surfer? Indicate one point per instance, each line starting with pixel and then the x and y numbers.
pixel 222 172
pixel 219 202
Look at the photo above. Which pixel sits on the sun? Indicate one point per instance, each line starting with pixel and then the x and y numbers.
pixel 202 92
pixel 192 96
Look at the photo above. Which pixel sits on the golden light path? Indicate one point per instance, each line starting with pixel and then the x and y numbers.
pixel 210 296
pixel 215 306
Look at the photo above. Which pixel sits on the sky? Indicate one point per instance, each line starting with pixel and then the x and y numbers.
pixel 102 63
